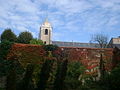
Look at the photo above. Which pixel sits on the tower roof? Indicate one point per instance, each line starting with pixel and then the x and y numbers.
pixel 46 23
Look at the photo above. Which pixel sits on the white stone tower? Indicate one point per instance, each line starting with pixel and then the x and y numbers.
pixel 46 32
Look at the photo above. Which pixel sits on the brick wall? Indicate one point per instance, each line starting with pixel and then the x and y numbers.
pixel 89 57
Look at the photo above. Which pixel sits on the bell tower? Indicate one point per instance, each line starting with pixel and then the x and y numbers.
pixel 46 32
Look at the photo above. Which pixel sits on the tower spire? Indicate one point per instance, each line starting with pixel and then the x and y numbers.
pixel 46 19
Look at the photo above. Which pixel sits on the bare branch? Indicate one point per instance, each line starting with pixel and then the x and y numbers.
pixel 101 39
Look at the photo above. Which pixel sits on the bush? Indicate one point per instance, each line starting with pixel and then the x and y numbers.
pixel 36 42
pixel 50 47
pixel 73 80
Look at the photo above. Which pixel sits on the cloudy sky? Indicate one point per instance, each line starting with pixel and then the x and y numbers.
pixel 71 20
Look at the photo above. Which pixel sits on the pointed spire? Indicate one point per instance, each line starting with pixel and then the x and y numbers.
pixel 46 20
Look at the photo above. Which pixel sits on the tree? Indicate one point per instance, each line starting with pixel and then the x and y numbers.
pixel 101 39
pixel 101 67
pixel 4 49
pixel 75 69
pixel 36 42
pixel 11 80
pixel 27 83
pixel 50 47
pixel 114 83
pixel 44 74
pixel 60 75
pixel 8 35
pixel 73 77
pixel 111 81
pixel 25 37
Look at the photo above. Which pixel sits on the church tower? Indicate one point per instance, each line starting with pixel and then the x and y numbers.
pixel 46 32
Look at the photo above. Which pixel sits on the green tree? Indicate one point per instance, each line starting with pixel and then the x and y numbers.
pixel 11 80
pixel 8 35
pixel 36 41
pixel 7 65
pixel 4 49
pixel 25 37
pixel 60 75
pixel 73 80
pixel 44 74
pixel 111 81
pixel 50 47
pixel 101 67
pixel 114 82
pixel 27 83
pixel 75 69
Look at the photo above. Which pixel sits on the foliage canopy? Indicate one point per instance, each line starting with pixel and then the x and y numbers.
pixel 25 37
pixel 36 42
pixel 8 35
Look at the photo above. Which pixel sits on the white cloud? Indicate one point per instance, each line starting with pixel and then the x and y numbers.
pixel 19 14
pixel 67 15
pixel 113 21
pixel 57 36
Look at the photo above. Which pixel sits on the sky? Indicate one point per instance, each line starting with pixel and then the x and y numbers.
pixel 72 20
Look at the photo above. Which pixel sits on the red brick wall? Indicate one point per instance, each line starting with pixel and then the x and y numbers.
pixel 89 57
pixel 26 53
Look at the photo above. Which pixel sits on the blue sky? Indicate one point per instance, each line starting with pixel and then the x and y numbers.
pixel 71 20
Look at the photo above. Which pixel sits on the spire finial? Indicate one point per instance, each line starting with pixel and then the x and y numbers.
pixel 46 19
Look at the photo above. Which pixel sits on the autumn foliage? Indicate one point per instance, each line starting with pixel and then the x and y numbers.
pixel 89 57
pixel 26 53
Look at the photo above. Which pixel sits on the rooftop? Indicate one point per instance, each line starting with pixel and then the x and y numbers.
pixel 75 44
